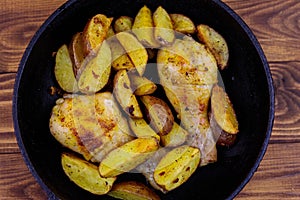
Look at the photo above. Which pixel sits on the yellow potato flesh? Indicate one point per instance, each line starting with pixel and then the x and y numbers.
pixel 85 175
pixel 176 167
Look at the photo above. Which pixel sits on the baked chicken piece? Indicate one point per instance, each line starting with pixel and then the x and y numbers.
pixel 187 72
pixel 91 125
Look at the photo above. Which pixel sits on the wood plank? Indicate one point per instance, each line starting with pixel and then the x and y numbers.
pixel 16 182
pixel 278 177
pixel 287 119
pixel 19 20
pixel 273 22
pixel 8 142
pixel 276 25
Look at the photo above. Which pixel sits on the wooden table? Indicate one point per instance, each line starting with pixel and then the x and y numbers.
pixel 276 23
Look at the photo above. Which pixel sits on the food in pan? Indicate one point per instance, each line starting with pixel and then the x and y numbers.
pixel 122 113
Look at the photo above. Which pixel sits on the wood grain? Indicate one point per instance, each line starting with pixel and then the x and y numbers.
pixel 275 23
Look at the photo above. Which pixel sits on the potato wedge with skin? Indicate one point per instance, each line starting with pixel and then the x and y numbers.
pixel 143 28
pixel 120 59
pixel 163 31
pixel 76 50
pixel 176 167
pixel 96 73
pixel 123 23
pixel 142 86
pixel 85 174
pixel 183 24
pixel 132 190
pixel 177 136
pixel 141 129
pixel 159 114
pixel 95 33
pixel 215 43
pixel 125 96
pixel 63 70
pixel 223 111
pixel 128 156
pixel 135 50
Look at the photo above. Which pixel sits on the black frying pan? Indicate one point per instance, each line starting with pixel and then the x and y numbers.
pixel 247 81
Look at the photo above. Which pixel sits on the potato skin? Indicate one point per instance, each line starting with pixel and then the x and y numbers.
pixel 76 50
pixel 95 33
pixel 132 190
pixel 85 174
pixel 125 96
pixel 127 157
pixel 215 43
pixel 226 139
pixel 63 70
pixel 159 114
pixel 176 167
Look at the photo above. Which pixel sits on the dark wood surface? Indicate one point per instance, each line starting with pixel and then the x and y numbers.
pixel 276 23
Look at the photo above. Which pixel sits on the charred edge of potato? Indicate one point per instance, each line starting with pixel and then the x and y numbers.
pixel 85 174
pixel 163 27
pixel 215 43
pixel 132 190
pixel 183 24
pixel 159 114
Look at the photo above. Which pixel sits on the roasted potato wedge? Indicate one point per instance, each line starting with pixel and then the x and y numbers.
pixel 142 86
pixel 177 136
pixel 96 73
pixel 183 24
pixel 95 33
pixel 223 111
pixel 176 167
pixel 128 156
pixel 76 49
pixel 141 129
pixel 123 23
pixel 132 190
pixel 143 28
pixel 85 174
pixel 215 43
pixel 135 50
pixel 120 59
pixel 159 114
pixel 125 96
pixel 163 31
pixel 63 70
